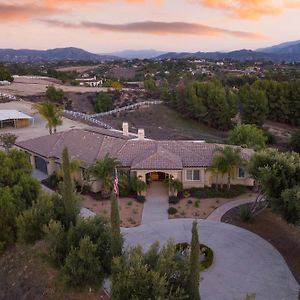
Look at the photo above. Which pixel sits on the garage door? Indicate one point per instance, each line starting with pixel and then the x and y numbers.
pixel 40 164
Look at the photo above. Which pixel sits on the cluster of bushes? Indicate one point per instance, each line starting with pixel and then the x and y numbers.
pixel 18 191
pixel 279 176
pixel 5 75
pixel 103 102
pixel 212 192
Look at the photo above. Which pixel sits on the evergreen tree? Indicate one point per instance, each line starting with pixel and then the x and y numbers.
pixel 116 238
pixel 67 191
pixel 194 276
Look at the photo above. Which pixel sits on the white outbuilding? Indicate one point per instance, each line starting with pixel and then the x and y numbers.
pixel 17 119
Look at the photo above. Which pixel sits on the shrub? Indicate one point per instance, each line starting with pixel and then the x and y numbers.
pixel 186 194
pixel 245 213
pixel 197 203
pixel 212 192
pixel 82 265
pixel 172 211
pixel 173 199
pixel 190 201
pixel 129 203
pixel 141 199
pixel 30 223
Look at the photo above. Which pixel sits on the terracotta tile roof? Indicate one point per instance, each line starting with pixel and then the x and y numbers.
pixel 91 145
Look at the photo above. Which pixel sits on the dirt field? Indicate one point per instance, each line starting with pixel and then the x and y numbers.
pixel 270 226
pixel 24 274
pixel 29 87
pixel 79 69
pixel 130 210
pixel 161 122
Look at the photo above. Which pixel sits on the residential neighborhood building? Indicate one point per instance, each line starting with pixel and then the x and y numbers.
pixel 92 82
pixel 150 160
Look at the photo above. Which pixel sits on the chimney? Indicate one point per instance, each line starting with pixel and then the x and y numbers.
pixel 141 134
pixel 125 129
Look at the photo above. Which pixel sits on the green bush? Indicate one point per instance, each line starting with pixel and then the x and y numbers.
pixel 173 199
pixel 172 211
pixel 82 265
pixel 245 213
pixel 141 199
pixel 30 223
pixel 212 192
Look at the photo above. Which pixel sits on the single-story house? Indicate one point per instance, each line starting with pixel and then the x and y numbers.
pixel 17 119
pixel 150 160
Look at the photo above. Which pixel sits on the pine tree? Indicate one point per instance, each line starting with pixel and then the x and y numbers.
pixel 116 238
pixel 67 191
pixel 194 276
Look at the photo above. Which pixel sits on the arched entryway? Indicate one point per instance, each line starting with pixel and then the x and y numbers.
pixel 156 176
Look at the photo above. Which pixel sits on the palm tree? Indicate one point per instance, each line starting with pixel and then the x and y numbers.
pixel 51 112
pixel 138 185
pixel 174 185
pixel 104 170
pixel 226 160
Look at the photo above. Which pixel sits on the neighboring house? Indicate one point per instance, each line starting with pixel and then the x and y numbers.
pixel 150 160
pixel 92 82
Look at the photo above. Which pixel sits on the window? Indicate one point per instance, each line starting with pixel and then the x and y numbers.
pixel 241 173
pixel 193 175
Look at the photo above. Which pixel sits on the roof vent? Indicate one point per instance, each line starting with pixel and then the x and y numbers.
pixel 125 129
pixel 141 134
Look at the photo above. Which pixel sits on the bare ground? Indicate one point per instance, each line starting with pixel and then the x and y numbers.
pixel 200 208
pixel 25 274
pixel 130 210
pixel 161 122
pixel 270 226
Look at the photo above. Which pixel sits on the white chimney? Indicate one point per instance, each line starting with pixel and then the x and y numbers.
pixel 141 134
pixel 125 129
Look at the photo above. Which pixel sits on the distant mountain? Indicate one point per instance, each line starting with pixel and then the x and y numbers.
pixel 288 47
pixel 241 55
pixel 57 54
pixel 138 54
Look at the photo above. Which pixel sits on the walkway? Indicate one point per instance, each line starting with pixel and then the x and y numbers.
pixel 244 262
pixel 156 205
pixel 218 213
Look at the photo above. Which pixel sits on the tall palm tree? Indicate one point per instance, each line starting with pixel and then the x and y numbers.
pixel 51 112
pixel 226 160
pixel 104 170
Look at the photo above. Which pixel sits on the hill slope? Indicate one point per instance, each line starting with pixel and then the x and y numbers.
pixel 57 54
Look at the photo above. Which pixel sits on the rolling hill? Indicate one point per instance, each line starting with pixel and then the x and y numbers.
pixel 57 54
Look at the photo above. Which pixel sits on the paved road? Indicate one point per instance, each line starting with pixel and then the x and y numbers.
pixel 156 205
pixel 244 262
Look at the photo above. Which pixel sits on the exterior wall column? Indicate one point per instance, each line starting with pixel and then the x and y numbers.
pixel 32 161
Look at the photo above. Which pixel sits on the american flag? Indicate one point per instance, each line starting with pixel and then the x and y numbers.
pixel 116 182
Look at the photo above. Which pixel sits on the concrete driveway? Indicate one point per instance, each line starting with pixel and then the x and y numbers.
pixel 156 205
pixel 39 127
pixel 244 262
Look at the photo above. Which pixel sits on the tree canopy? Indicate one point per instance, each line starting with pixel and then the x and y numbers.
pixel 247 135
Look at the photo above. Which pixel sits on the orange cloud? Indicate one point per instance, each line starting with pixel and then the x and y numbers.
pixel 246 9
pixel 157 28
pixel 11 12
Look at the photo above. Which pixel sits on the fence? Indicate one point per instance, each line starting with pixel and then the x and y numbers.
pixel 125 108
pixel 91 119
pixel 10 97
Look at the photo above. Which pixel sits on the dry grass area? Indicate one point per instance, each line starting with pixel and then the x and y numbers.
pixel 79 69
pixel 130 210
pixel 31 87
pixel 196 208
pixel 270 226
pixel 25 274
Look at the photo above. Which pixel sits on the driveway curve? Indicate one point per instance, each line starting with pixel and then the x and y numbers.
pixel 243 262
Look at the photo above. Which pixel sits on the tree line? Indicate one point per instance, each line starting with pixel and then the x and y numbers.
pixel 216 105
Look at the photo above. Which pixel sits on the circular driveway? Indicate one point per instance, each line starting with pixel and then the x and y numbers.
pixel 243 262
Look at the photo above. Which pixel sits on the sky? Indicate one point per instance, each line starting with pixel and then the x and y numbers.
pixel 169 25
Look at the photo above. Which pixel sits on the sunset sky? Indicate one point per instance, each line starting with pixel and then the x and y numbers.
pixel 170 25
